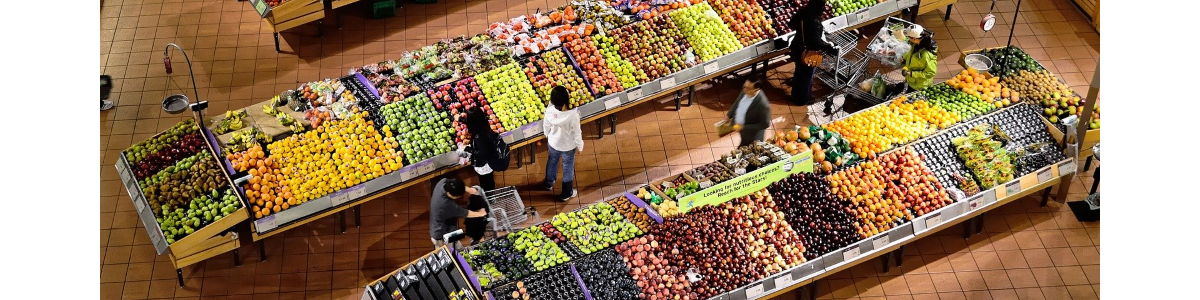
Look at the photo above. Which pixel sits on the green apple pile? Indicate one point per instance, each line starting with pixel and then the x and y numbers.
pixel 957 102
pixel 552 69
pixel 627 74
pixel 841 7
pixel 595 227
pixel 539 249
pixel 511 95
pixel 420 129
pixel 709 36
pixel 179 222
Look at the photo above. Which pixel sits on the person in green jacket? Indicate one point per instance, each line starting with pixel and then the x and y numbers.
pixel 920 64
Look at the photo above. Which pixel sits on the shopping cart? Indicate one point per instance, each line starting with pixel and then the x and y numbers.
pixel 508 212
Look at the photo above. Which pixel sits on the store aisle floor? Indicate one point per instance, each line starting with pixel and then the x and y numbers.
pixel 1025 252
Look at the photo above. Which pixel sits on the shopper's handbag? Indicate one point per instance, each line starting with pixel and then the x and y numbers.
pixel 811 58
pixel 499 162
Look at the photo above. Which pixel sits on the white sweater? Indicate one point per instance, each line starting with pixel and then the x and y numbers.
pixel 562 129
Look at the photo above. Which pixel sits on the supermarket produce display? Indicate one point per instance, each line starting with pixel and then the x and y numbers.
pixel 392 123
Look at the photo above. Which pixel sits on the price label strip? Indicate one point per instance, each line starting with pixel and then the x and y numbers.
pixel 266 223
pixel 711 68
pixel 784 281
pixel 666 83
pixel 882 241
pixel 765 47
pixel 975 203
pixel 705 184
pixel 425 168
pixel 740 171
pixel 532 130
pixel 933 221
pixel 1012 188
pixel 612 103
pixel 863 15
pixel 140 205
pixel 1045 175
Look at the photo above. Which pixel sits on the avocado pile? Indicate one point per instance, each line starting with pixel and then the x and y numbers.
pixel 1008 60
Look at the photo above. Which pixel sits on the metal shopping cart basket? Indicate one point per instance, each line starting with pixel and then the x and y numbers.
pixel 507 210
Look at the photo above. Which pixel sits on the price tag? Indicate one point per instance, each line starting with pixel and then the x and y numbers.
pixel 989 196
pixel 425 168
pixel 783 281
pixel 1012 188
pixel 634 94
pixel 740 171
pixel 711 68
pixel 140 205
pixel 612 103
pixel 754 291
pixel 975 203
pixel 882 241
pixel 863 15
pixel 409 173
pixel 666 83
pixel 851 253
pixel 266 223
pixel 532 131
pixel 932 221
pixel 1067 167
pixel 693 276
pixel 764 48
pixel 705 184
pixel 339 198
pixel 1045 175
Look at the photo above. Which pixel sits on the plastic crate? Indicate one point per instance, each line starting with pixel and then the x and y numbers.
pixel 382 9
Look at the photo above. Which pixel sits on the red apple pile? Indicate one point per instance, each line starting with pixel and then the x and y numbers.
pixel 552 69
pixel 458 97
pixel 709 241
pixel 909 181
pixel 771 242
pixel 654 46
pixel 655 275
pixel 595 69
pixel 746 18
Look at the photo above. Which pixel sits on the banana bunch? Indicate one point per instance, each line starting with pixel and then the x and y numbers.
pixel 283 118
pixel 232 121
pixel 245 139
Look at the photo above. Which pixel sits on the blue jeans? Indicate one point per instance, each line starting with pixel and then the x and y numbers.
pixel 568 159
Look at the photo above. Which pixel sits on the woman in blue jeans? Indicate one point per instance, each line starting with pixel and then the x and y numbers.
pixel 561 127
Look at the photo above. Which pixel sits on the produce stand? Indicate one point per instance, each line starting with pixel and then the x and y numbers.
pixel 290 14
pixel 296 12
pixel 435 273
pixel 1091 9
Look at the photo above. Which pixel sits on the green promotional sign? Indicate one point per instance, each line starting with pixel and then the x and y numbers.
pixel 749 182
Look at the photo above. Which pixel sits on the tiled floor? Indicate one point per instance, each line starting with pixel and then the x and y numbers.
pixel 1026 252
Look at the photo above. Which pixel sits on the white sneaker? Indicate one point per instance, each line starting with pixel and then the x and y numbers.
pixel 106 105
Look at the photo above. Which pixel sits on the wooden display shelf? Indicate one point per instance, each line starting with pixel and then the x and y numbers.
pixel 290 14
pixel 1091 9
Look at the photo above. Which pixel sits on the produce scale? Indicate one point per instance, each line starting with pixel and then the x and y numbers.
pixel 330 145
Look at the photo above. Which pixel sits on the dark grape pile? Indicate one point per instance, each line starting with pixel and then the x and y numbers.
pixel 823 222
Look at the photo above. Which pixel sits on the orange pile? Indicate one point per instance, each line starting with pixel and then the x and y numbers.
pixel 979 85
pixel 864 186
pixel 265 190
pixel 336 155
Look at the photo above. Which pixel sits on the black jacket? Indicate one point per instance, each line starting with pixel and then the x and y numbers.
pixel 810 34
pixel 482 148
pixel 758 115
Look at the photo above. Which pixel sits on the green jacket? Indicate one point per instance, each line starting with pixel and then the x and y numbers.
pixel 922 66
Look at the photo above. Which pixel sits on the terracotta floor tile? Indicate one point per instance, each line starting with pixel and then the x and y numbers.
pixel 1022 278
pixel 1082 292
pixel 1037 258
pixel 919 283
pixel 996 279
pixel 1072 275
pixel 1092 272
pixel 869 287
pixel 894 285
pixel 971 281
pixel 1062 257
pixel 1012 259
pixel 930 296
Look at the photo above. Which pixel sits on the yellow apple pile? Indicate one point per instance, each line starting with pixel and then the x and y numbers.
pixel 335 155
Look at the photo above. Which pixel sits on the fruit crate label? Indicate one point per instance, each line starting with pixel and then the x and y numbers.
pixel 907 3
pixel 754 291
pixel 740 171
pixel 261 7
pixel 1045 175
pixel 612 103
pixel 408 173
pixel 532 130
pixel 1067 167
pixel 425 168
pixel 712 67
pixel 666 83
pixel 634 94
pixel 265 224
pixel 139 205
pixel 989 196
pixel 882 241
pixel 1012 188
pixel 851 254
pixel 862 16
pixel 784 280
pixel 705 184
pixel 933 221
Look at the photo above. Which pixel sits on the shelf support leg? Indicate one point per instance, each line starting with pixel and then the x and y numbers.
pixel 1046 197
pixel 357 216
pixel 320 28
pixel 1095 181
pixel 520 161
pixel 899 254
pixel 812 290
pixel 949 8
pixel 237 260
pixel 691 94
pixel 262 250
pixel 886 259
pixel 600 127
pixel 179 275
pixel 342 221
pixel 914 10
pixel 678 99
pixel 277 43
pixel 612 124
pixel 979 223
pixel 966 226
pixel 532 154
pixel 1087 164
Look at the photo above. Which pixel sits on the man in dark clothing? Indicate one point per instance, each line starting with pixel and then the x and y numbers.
pixel 751 112
pixel 810 35
pixel 444 212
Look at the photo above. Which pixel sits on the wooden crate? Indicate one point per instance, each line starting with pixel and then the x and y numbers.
pixel 932 5
pixel 1090 8
pixel 294 13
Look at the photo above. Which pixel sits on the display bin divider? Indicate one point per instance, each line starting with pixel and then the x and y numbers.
pixel 639 203
pixel 587 295
pixel 470 273
pixel 370 88
pixel 579 71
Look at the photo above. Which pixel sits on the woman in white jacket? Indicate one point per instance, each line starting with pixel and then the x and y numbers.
pixel 561 127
